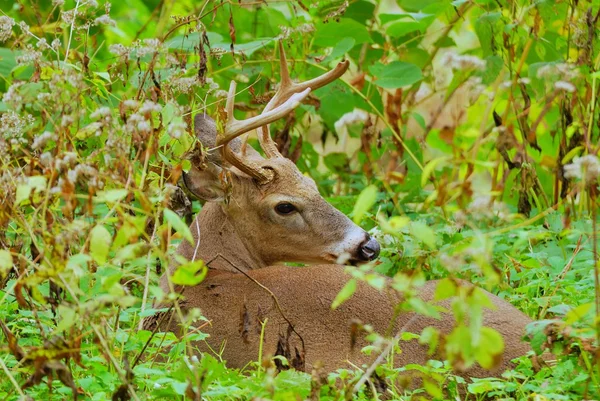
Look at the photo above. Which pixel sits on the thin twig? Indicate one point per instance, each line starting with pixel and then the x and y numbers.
pixel 369 372
pixel 275 300
pixel 71 31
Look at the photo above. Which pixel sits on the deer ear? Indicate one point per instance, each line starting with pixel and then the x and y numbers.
pixel 205 184
pixel 206 132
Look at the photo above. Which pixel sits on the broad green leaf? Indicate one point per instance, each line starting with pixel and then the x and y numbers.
pixel 489 352
pixel 401 28
pixel 100 240
pixel 343 47
pixel 445 289
pixel 179 225
pixel 6 262
pixel 77 264
pixel 344 294
pixel 576 314
pixel 130 252
pixel 191 273
pixel 8 60
pixel 417 5
pixel 364 203
pixel 396 74
pixel 433 388
pixel 111 195
pixel 423 233
pixel 430 168
pixel 331 33
pixel 484 27
pixel 33 184
pixel 190 41
pixel 67 317
pixel 572 153
pixel 423 308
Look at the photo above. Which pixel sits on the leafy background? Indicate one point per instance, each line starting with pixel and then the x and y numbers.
pixel 464 137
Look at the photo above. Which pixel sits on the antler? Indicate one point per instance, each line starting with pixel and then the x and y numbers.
pixel 235 128
pixel 288 88
pixel 287 98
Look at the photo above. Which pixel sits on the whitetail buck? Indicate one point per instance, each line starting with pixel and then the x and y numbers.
pixel 263 211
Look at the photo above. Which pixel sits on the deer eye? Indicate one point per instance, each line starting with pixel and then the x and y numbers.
pixel 285 208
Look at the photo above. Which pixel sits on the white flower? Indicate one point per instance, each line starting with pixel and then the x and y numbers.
pixel 463 62
pixel 351 118
pixel 564 86
pixel 12 95
pixel 24 27
pixel 30 55
pixel 105 20
pixel 150 46
pixel 564 71
pixel 42 139
pixel 42 44
pixel 13 125
pixel 176 129
pixel 131 104
pixel 100 112
pixel 586 168
pixel 149 106
pixel 144 126
pixel 184 84
pixel 118 49
pixel 6 25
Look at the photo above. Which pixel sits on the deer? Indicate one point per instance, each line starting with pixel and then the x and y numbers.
pixel 260 212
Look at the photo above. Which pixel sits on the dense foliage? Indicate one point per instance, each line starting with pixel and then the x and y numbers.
pixel 464 136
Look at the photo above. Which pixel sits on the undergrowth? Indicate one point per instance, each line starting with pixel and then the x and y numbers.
pixel 464 138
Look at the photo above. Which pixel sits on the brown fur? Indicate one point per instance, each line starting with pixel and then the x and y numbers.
pixel 238 231
pixel 305 295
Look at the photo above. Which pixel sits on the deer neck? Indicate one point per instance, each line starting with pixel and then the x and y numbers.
pixel 218 243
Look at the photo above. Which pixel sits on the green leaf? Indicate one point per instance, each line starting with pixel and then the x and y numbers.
pixel 8 60
pixel 576 314
pixel 34 184
pixel 342 47
pixel 190 274
pixel 331 33
pixel 396 74
pixel 179 225
pixel 344 294
pixel 401 28
pixel 430 168
pixel 433 388
pixel 488 353
pixel 423 233
pixel 191 40
pixel 445 289
pixel 67 318
pixel 6 262
pixel 485 29
pixel 365 201
pixel 111 195
pixel 100 240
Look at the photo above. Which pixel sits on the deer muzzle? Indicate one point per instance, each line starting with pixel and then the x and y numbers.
pixel 369 249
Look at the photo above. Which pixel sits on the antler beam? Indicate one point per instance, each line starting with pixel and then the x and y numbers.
pixel 235 128
pixel 288 88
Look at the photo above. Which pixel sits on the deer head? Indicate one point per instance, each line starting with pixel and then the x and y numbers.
pixel 274 211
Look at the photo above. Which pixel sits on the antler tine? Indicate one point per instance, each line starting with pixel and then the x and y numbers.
pixel 288 88
pixel 235 128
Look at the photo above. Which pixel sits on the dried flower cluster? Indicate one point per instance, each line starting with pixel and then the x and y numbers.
pixel 6 26
pixel 462 62
pixel 585 168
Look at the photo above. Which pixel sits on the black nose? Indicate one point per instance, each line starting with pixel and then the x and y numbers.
pixel 369 249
